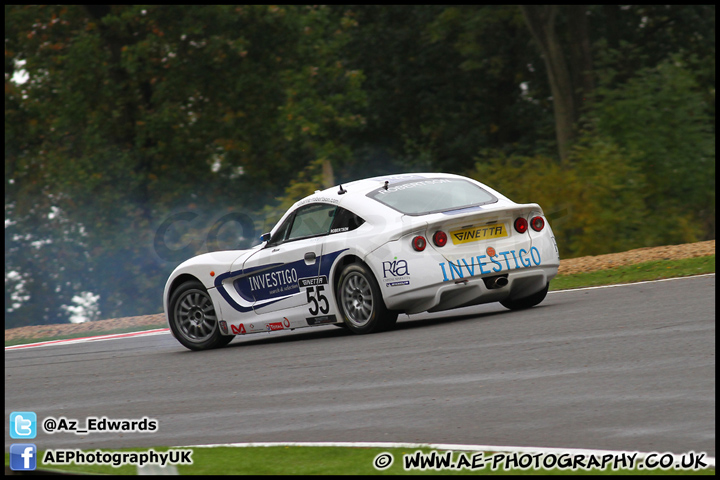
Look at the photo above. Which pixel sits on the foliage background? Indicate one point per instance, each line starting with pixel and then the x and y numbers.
pixel 194 127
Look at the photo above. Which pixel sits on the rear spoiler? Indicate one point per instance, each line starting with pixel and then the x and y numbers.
pixel 482 215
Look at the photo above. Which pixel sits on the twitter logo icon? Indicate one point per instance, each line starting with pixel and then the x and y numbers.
pixel 23 425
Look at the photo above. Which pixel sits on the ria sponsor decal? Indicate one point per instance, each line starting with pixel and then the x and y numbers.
pixel 396 268
pixel 476 266
pixel 396 273
pixel 271 327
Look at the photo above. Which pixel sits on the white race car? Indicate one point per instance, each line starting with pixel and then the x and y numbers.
pixel 358 254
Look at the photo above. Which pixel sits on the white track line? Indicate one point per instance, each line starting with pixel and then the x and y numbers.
pixel 99 338
pixel 633 283
pixel 443 446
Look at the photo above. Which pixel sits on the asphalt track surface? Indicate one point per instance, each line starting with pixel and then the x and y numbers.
pixel 623 368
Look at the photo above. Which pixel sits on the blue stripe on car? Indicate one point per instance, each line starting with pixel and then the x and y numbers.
pixel 273 282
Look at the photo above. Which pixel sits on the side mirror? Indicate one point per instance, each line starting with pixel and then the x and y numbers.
pixel 265 237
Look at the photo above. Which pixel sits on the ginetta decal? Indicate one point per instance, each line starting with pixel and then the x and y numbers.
pixel 478 233
pixel 312 281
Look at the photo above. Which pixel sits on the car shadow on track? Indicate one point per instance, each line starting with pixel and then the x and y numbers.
pixel 405 323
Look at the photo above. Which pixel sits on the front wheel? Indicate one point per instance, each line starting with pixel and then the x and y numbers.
pixel 526 302
pixel 360 301
pixel 193 319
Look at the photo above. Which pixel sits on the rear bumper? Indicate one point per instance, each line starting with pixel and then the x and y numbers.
pixel 415 282
pixel 465 292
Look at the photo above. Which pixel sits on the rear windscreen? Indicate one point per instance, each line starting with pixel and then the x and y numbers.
pixel 418 197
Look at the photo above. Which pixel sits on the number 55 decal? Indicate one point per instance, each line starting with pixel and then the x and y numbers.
pixel 315 301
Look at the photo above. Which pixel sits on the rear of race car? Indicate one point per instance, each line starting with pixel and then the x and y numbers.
pixel 497 251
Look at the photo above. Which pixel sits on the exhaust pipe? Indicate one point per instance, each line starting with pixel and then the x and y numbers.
pixel 496 282
pixel 499 282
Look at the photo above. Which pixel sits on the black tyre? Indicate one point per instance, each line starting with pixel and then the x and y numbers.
pixel 193 319
pixel 526 302
pixel 360 301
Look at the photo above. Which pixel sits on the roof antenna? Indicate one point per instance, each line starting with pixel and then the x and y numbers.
pixel 386 184
pixel 342 190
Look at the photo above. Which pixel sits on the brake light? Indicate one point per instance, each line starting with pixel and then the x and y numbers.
pixel 440 238
pixel 521 225
pixel 419 243
pixel 537 223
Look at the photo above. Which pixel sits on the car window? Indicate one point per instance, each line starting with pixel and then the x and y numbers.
pixel 419 197
pixel 281 233
pixel 311 221
pixel 345 221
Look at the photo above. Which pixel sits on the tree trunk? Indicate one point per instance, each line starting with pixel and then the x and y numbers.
pixel 580 56
pixel 540 19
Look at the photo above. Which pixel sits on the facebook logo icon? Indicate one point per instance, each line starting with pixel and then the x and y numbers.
pixel 23 456
pixel 23 425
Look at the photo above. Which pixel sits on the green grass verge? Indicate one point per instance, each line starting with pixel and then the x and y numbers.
pixel 637 273
pixel 331 461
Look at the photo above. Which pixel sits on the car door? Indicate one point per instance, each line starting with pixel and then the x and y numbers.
pixel 292 254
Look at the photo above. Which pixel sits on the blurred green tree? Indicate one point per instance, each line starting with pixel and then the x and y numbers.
pixel 441 83
pixel 120 118
pixel 131 113
pixel 660 119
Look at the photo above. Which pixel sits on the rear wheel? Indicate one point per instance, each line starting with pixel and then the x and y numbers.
pixel 193 319
pixel 360 301
pixel 526 302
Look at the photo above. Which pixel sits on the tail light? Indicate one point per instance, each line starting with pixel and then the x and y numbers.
pixel 537 223
pixel 521 225
pixel 419 243
pixel 440 238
